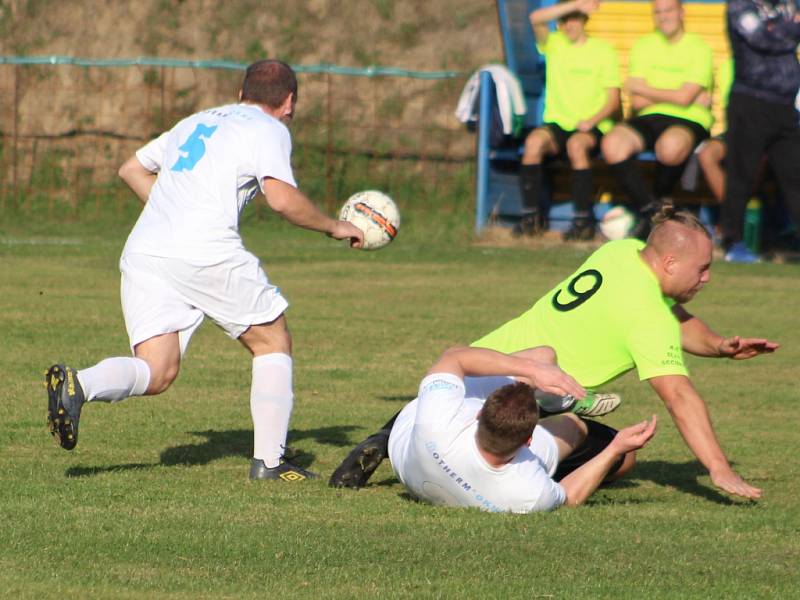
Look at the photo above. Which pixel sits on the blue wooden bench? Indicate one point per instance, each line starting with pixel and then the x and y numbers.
pixel 497 193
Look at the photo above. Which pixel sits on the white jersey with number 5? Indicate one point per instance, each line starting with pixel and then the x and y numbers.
pixel 434 454
pixel 210 165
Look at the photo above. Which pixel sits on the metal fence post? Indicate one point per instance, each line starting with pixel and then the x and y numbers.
pixel 484 124
pixel 15 142
pixel 329 143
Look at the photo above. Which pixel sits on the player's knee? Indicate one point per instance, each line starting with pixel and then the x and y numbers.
pixel 671 152
pixel 576 430
pixel 614 148
pixel 161 377
pixel 267 339
pixel 534 148
pixel 711 155
pixel 577 151
pixel 540 353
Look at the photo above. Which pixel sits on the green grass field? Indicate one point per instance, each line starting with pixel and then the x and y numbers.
pixel 155 502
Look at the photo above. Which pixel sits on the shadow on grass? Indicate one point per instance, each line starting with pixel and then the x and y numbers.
pixel 682 476
pixel 399 398
pixel 221 444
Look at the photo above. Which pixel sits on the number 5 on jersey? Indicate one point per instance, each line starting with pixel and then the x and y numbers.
pixel 193 148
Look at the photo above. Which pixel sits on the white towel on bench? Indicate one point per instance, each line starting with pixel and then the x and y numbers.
pixel 510 99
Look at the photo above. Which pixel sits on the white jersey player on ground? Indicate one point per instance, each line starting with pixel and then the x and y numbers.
pixel 185 260
pixel 456 447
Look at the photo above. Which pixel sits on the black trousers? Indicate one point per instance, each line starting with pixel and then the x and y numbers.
pixel 757 127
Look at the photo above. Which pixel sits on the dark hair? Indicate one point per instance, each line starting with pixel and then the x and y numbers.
pixel 667 213
pixel 269 82
pixel 575 14
pixel 507 419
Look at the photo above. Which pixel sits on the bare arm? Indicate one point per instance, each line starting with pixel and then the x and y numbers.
pixel 638 102
pixel 609 109
pixel 683 96
pixel 295 207
pixel 697 338
pixel 139 179
pixel 582 482
pixel 690 414
pixel 464 361
pixel 540 18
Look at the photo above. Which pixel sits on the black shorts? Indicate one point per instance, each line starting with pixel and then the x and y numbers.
pixel 650 127
pixel 560 136
pixel 597 439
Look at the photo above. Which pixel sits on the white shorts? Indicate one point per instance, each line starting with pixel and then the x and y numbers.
pixel 166 295
pixel 543 444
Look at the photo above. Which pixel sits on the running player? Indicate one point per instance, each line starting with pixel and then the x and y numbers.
pixel 185 260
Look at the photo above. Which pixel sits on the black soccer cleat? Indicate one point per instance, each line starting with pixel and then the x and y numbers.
pixel 285 471
pixel 580 231
pixel 65 400
pixel 360 464
pixel 530 225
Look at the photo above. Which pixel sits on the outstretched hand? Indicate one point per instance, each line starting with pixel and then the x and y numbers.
pixel 730 481
pixel 343 230
pixel 739 348
pixel 635 436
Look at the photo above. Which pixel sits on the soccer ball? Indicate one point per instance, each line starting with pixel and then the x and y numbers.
pixel 375 214
pixel 617 223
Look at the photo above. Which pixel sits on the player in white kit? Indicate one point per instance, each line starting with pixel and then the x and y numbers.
pixel 454 446
pixel 185 260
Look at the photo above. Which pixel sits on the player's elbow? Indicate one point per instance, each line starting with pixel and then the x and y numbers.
pixel 131 169
pixel 125 170
pixel 278 204
pixel 279 195
pixel 687 97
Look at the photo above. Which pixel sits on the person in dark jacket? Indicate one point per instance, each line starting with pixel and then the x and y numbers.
pixel 762 118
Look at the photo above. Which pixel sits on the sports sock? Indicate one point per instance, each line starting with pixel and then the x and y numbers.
pixel 530 187
pixel 665 178
pixel 553 403
pixel 271 400
pixel 582 185
pixel 115 379
pixel 629 176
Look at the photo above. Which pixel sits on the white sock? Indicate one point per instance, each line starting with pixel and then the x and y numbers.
pixel 271 399
pixel 553 403
pixel 115 379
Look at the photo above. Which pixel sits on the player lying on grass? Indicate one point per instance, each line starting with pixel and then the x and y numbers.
pixel 623 308
pixel 185 260
pixel 455 446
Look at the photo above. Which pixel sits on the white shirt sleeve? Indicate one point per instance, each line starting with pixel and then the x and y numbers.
pixel 552 496
pixel 544 493
pixel 152 154
pixel 482 387
pixel 273 155
pixel 440 398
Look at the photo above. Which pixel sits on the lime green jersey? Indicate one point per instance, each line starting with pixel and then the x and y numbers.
pixel 668 65
pixel 724 81
pixel 605 319
pixel 577 80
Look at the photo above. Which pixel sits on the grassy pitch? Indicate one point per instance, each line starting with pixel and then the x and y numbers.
pixel 154 502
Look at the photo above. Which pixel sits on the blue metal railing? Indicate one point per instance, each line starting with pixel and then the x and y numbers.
pixel 144 61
